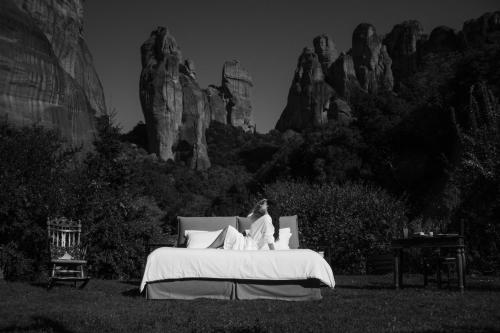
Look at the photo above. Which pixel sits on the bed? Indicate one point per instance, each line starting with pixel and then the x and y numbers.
pixel 187 273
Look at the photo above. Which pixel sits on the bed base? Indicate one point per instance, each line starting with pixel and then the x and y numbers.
pixel 294 290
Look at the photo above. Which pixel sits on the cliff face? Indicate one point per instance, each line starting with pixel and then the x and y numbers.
pixel 46 70
pixel 178 111
pixel 309 95
pixel 404 47
pixel 236 86
pixel 371 60
pixel 324 82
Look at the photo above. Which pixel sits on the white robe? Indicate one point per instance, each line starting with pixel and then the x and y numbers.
pixel 260 235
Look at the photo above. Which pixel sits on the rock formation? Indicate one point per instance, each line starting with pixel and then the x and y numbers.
pixel 485 29
pixel 404 45
pixel 442 39
pixel 215 105
pixel 172 102
pixel 309 96
pixel 178 111
pixel 324 82
pixel 236 87
pixel 342 76
pixel 371 60
pixel 326 51
pixel 46 68
pixel 483 108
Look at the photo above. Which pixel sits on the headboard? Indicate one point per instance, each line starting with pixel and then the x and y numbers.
pixel 202 223
pixel 285 222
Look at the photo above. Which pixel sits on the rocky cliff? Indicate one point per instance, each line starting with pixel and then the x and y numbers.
pixel 236 87
pixel 324 81
pixel 177 111
pixel 46 68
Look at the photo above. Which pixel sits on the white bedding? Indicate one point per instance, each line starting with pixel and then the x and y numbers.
pixel 178 263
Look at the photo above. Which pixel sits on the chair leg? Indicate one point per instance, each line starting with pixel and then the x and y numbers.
pixel 50 284
pixel 84 283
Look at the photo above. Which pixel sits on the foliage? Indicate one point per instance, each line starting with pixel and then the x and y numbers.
pixel 353 219
pixel 32 167
pixel 41 178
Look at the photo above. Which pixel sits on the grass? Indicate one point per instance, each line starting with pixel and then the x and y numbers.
pixel 358 303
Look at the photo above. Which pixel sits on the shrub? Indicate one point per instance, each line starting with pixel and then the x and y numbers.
pixel 32 167
pixel 353 219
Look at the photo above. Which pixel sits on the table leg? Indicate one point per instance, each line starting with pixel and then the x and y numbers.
pixel 460 269
pixel 397 269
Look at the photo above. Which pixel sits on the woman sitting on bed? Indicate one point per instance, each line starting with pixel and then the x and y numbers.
pixel 259 237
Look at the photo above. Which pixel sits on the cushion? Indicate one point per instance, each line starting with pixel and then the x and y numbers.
pixel 285 222
pixel 283 242
pixel 201 223
pixel 199 239
pixel 291 222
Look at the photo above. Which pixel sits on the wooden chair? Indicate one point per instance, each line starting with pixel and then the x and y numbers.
pixel 66 251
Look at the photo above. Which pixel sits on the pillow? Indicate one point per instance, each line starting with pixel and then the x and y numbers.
pixel 284 239
pixel 200 239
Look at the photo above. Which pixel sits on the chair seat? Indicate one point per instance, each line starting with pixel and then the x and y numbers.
pixel 68 261
pixel 70 278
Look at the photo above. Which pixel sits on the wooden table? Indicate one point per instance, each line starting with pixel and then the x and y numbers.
pixel 440 241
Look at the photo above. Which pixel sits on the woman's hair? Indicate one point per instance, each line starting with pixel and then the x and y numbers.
pixel 255 212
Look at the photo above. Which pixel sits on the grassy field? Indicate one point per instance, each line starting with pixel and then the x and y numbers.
pixel 358 303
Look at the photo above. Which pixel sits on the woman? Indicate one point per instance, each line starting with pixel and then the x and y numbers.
pixel 259 237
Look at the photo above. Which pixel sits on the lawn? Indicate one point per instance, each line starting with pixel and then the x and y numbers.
pixel 358 303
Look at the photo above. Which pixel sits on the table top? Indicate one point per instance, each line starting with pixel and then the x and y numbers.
pixel 440 240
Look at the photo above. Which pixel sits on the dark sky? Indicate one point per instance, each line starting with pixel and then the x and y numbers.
pixel 267 37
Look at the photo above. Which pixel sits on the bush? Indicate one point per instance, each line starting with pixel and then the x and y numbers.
pixel 353 219
pixel 32 167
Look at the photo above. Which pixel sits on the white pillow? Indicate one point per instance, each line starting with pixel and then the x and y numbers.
pixel 200 239
pixel 284 239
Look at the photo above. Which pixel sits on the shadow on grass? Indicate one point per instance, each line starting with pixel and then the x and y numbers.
pixel 365 287
pixel 40 324
pixel 134 292
pixel 132 282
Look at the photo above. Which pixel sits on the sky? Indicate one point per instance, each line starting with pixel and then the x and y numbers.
pixel 266 36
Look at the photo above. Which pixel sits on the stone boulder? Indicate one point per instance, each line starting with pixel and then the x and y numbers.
pixel 404 45
pixel 172 102
pixel 236 86
pixel 371 60
pixel 46 68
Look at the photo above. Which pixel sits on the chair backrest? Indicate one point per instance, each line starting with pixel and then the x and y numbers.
pixel 65 238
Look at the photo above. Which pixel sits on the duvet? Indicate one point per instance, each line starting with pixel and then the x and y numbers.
pixel 183 263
